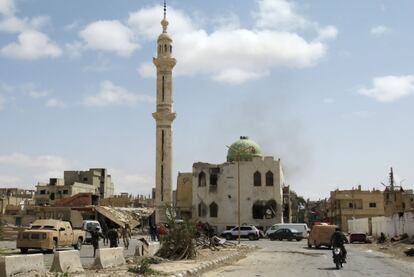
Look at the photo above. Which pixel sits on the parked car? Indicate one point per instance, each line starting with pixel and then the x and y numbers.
pixel 49 234
pixel 285 233
pixel 88 226
pixel 358 237
pixel 250 232
pixel 301 227
pixel 321 235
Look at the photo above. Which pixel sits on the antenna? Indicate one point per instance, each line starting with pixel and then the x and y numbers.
pixel 165 8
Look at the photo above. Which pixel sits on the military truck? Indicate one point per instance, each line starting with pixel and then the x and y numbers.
pixel 48 235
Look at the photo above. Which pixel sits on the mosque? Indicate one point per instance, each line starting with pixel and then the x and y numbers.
pixel 245 189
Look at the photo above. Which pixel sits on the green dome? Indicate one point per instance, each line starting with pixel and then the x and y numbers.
pixel 244 150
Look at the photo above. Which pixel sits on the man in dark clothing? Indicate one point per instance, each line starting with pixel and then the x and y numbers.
pixel 95 236
pixel 338 239
pixel 113 238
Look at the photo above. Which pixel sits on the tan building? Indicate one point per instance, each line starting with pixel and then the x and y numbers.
pixel 353 204
pixel 216 188
pixel 95 181
pixel 396 199
pixel 184 195
pixel 13 199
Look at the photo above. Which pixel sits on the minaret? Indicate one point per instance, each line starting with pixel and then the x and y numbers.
pixel 164 116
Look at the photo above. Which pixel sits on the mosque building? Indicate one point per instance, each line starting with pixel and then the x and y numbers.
pixel 246 189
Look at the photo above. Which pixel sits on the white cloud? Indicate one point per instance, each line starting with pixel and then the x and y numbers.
pixel 31 45
pixel 110 94
pixel 380 30
pixel 327 33
pixel 278 14
pixel 112 36
pixel 12 24
pixel 31 169
pixel 7 7
pixel 390 88
pixel 55 103
pixel 235 54
pixel 38 93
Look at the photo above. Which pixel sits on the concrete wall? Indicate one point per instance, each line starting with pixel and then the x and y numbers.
pixel 360 225
pixel 393 226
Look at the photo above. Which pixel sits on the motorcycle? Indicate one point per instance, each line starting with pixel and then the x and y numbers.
pixel 338 257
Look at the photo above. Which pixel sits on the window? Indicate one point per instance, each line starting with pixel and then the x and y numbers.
pixel 403 205
pixel 43 191
pixel 159 49
pixel 85 179
pixel 165 48
pixel 202 179
pixel 202 210
pixel 163 88
pixel 65 191
pixel 258 210
pixel 372 205
pixel 213 179
pixel 269 179
pixel 350 205
pixel 170 48
pixel 257 179
pixel 213 209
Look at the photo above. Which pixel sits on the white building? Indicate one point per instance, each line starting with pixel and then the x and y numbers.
pixel 215 189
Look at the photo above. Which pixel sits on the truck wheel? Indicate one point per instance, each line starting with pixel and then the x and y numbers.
pixel 252 237
pixel 78 245
pixel 24 250
pixel 229 237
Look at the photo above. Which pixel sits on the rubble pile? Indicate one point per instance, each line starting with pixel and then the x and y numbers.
pixel 214 243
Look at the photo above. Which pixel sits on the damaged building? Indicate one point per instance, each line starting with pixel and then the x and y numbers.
pixel 210 192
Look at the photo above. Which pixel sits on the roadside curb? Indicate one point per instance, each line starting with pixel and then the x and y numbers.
pixel 210 265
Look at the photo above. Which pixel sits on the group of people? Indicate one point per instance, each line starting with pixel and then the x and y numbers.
pixel 112 235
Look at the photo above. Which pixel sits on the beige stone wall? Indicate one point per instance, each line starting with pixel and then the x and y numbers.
pixel 226 194
pixel 349 204
pixel 184 194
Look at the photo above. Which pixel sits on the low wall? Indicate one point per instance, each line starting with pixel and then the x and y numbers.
pixel 11 265
pixel 359 225
pixel 392 226
pixel 67 261
pixel 109 257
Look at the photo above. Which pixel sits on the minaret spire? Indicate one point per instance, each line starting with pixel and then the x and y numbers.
pixel 164 117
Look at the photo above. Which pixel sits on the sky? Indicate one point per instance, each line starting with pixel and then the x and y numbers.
pixel 326 86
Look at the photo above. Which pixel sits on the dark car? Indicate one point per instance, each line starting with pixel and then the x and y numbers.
pixel 358 237
pixel 284 233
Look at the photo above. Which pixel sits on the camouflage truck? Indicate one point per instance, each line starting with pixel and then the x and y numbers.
pixel 48 235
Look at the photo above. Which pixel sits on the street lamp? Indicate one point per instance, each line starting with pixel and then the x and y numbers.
pixel 238 151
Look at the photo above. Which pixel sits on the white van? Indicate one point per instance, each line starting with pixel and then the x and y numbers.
pixel 300 227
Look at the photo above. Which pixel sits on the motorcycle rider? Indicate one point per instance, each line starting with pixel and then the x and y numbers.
pixel 338 239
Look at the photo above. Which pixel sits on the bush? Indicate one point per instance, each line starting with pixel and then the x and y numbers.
pixel 143 268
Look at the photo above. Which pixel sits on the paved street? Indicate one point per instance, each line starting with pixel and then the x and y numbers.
pixel 295 259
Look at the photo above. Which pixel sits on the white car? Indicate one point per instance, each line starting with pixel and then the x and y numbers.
pixel 250 232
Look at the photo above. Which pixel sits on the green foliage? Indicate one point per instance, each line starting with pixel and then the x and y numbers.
pixel 63 274
pixel 179 243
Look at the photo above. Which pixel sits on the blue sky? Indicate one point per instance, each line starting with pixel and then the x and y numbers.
pixel 324 85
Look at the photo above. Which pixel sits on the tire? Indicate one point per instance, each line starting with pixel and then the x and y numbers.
pixel 298 239
pixel 252 237
pixel 229 236
pixel 78 245
pixel 271 238
pixel 24 250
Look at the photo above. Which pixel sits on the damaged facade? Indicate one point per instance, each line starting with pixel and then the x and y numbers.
pixel 215 189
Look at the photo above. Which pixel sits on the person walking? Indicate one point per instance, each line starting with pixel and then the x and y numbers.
pixel 126 235
pixel 95 237
pixel 113 238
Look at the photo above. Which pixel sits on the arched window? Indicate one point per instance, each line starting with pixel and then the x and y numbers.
pixel 159 49
pixel 257 179
pixel 202 210
pixel 170 48
pixel 202 179
pixel 269 179
pixel 213 209
pixel 165 48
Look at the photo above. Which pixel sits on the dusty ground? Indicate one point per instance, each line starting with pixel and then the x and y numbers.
pixel 394 249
